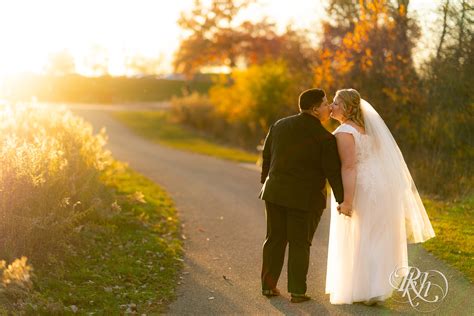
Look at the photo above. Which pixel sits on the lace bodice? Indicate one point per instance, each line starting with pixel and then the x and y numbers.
pixel 366 171
pixel 362 142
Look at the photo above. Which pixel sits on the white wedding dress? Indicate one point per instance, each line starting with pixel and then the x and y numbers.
pixel 366 248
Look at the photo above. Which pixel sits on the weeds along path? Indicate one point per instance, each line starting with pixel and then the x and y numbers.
pixel 224 226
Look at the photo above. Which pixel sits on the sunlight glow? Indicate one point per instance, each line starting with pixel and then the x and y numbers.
pixel 32 30
pixel 111 32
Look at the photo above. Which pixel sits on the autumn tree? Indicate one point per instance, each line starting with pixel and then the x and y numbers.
pixel 211 38
pixel 368 45
pixel 215 38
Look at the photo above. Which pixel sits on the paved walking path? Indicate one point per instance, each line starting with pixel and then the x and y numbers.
pixel 224 225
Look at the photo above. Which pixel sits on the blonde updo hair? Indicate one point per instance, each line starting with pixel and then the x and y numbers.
pixel 351 104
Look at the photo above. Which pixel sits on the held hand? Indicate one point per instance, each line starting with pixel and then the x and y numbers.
pixel 345 208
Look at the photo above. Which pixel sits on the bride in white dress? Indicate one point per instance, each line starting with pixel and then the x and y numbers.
pixel 382 209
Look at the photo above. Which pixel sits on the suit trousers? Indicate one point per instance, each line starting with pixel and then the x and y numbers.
pixel 293 227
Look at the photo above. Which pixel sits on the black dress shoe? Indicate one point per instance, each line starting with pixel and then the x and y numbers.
pixel 299 298
pixel 270 293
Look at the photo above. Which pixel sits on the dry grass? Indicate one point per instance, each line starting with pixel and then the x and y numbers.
pixel 51 162
pixel 80 231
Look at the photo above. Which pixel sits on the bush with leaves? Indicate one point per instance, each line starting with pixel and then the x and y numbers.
pixel 49 179
pixel 256 98
pixel 241 108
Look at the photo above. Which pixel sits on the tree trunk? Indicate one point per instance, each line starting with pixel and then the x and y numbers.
pixel 461 31
pixel 445 27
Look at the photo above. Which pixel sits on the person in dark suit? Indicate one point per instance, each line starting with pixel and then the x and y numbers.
pixel 299 154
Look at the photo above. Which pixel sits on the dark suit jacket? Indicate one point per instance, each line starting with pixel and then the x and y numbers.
pixel 299 154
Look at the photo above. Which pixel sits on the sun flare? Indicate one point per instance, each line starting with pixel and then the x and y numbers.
pixel 111 33
pixel 32 31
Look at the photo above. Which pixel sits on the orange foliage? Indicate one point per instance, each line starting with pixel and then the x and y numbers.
pixel 372 55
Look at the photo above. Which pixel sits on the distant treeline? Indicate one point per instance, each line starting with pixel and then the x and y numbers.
pixel 106 89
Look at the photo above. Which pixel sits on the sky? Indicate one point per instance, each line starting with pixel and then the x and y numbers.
pixel 31 30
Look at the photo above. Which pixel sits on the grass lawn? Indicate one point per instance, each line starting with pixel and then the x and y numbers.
pixel 156 126
pixel 123 264
pixel 453 225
